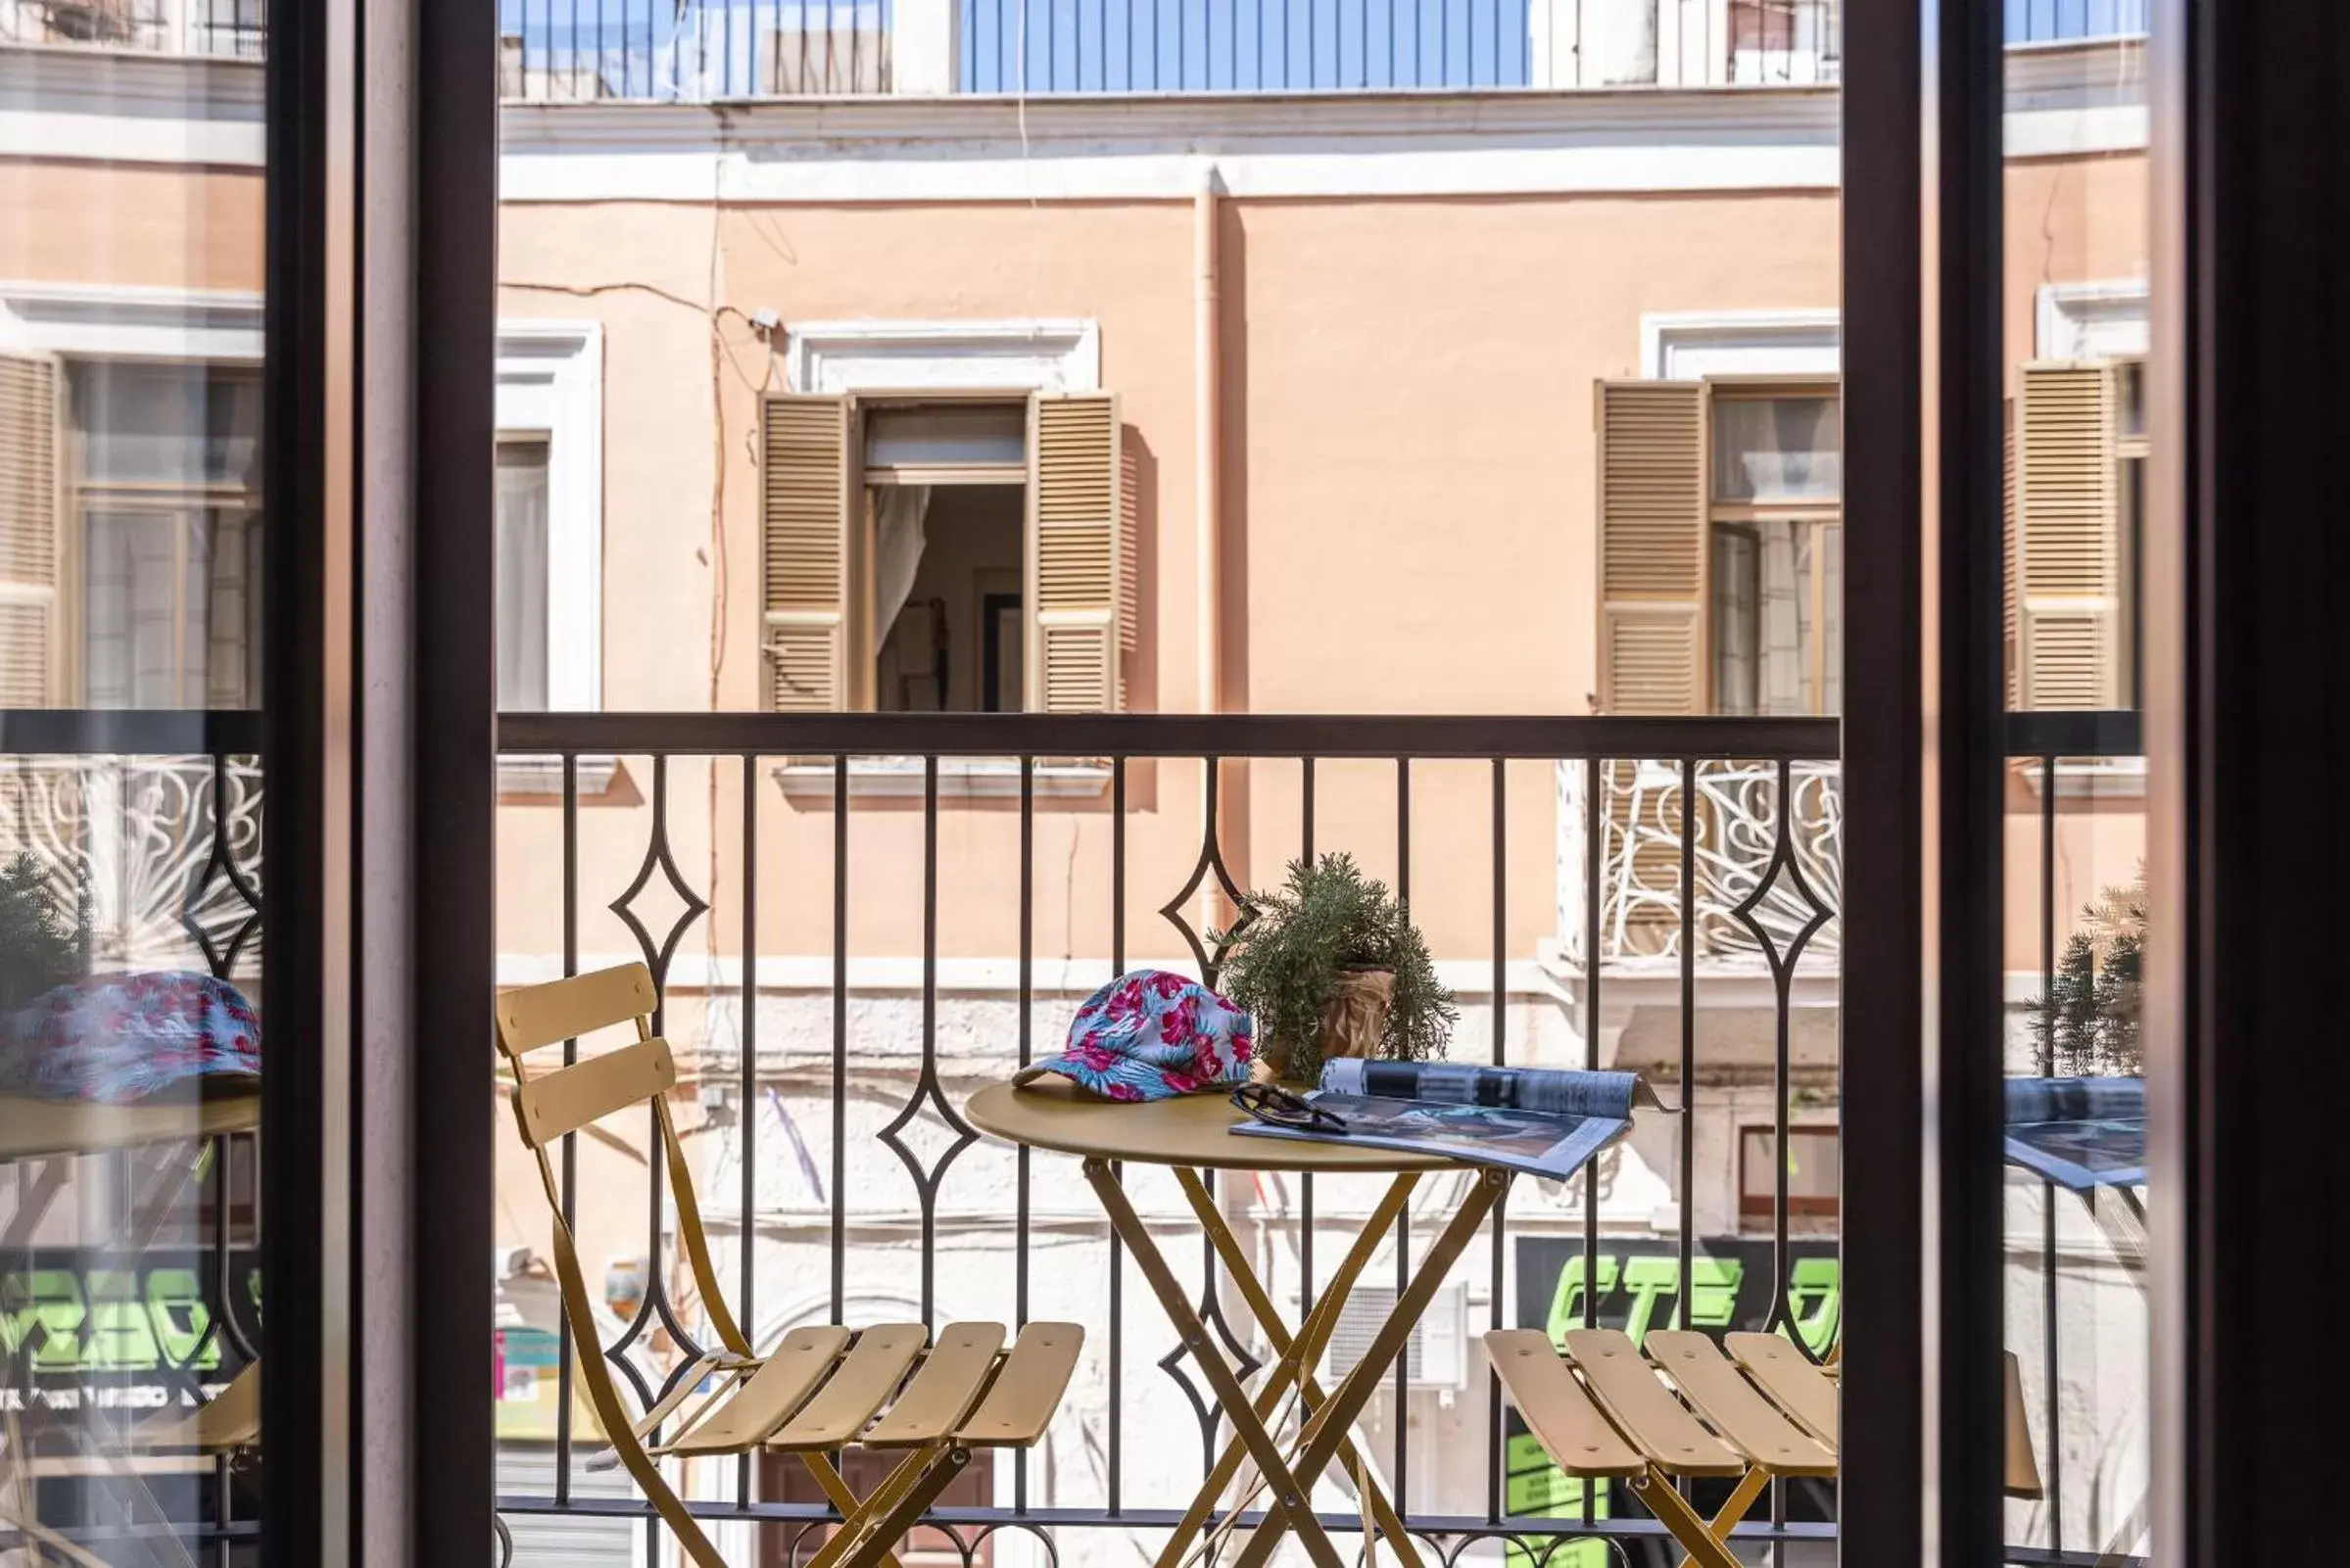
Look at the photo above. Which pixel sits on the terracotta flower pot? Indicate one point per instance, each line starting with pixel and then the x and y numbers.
pixel 1354 1023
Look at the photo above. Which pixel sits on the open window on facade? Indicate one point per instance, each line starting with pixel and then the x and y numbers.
pixel 1721 548
pixel 130 534
pixel 942 552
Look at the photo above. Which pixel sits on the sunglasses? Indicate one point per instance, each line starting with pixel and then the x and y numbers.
pixel 1277 1107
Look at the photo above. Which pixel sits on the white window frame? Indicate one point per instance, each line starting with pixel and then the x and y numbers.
pixel 2099 319
pixel 1694 345
pixel 1017 355
pixel 549 385
pixel 551 389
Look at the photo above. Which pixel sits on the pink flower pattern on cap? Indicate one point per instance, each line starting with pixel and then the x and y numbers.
pixel 1153 1036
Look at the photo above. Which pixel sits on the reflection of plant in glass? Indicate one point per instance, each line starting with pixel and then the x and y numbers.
pixel 40 946
pixel 1329 918
pixel 2090 1018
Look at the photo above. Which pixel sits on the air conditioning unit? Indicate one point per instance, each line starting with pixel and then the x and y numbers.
pixel 1435 1352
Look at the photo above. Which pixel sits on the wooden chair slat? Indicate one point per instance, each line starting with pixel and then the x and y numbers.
pixel 774 1393
pixel 2023 1466
pixel 1750 1423
pixel 533 1015
pixel 1560 1413
pixel 569 1098
pixel 1027 1388
pixel 231 1419
pixel 1789 1379
pixel 944 1392
pixel 864 1380
pixel 1644 1410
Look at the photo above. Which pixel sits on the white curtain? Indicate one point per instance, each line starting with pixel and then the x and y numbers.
pixel 898 542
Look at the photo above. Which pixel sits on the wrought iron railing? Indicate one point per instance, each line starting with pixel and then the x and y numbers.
pixel 155 819
pixel 773 1004
pixel 831 1067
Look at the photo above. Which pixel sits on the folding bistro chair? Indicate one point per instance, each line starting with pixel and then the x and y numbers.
pixel 1759 1412
pixel 175 1443
pixel 888 1387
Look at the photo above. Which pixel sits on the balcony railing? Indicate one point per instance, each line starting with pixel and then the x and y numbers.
pixel 235 30
pixel 704 51
pixel 809 948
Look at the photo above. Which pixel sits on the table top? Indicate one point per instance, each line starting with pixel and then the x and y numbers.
pixel 32 1129
pixel 1194 1129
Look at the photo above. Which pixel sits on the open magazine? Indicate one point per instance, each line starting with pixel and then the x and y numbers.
pixel 2078 1132
pixel 1539 1120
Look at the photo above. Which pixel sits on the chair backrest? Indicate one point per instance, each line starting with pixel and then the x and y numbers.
pixel 556 1102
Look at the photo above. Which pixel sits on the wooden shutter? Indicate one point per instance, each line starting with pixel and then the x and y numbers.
pixel 1079 556
pixel 2010 615
pixel 2067 567
pixel 810 495
pixel 1651 528
pixel 1652 575
pixel 28 513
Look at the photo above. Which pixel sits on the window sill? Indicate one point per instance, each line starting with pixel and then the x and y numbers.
pixel 534 777
pixel 959 779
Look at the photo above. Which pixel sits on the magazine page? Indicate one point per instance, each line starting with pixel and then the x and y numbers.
pixel 1552 1140
pixel 2078 1132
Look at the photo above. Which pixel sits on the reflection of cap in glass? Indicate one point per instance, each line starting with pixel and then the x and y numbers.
pixel 115 1039
pixel 1152 1035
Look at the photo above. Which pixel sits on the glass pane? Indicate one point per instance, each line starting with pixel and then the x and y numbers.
pixel 1737 620
pixel 522 568
pixel 169 423
pixel 1777 449
pixel 967 433
pixel 2074 1284
pixel 134 985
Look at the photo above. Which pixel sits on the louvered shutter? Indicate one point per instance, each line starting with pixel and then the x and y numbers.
pixel 28 513
pixel 1652 622
pixel 809 494
pixel 1080 555
pixel 2067 551
pixel 1651 546
pixel 2010 616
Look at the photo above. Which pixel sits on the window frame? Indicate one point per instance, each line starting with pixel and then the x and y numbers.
pixel 83 497
pixel 865 634
pixel 1750 516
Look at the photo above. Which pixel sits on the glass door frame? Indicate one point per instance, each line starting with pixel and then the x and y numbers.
pixel 379 715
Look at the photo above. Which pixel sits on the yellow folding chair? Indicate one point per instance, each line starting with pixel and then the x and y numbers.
pixel 1759 1412
pixel 173 1443
pixel 888 1387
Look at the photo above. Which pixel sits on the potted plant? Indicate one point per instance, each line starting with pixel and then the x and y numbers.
pixel 2090 1018
pixel 42 943
pixel 1330 967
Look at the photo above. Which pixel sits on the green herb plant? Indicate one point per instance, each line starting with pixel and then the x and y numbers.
pixel 43 944
pixel 2090 1019
pixel 1287 952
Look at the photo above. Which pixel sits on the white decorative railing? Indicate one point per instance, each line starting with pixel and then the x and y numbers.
pixel 170 848
pixel 1766 862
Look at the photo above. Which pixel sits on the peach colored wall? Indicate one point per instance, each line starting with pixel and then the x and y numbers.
pixel 1408 502
pixel 125 224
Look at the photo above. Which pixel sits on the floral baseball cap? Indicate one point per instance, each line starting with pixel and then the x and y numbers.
pixel 1153 1036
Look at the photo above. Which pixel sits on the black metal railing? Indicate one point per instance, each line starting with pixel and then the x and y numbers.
pixel 151 822
pixel 773 802
pixel 646 799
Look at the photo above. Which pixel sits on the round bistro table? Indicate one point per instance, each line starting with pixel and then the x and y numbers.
pixel 1194 1133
